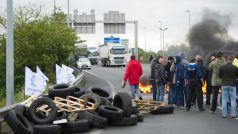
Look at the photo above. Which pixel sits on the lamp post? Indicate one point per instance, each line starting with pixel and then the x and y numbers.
pixel 10 54
pixel 68 13
pixel 163 38
pixel 145 43
pixel 188 11
pixel 160 22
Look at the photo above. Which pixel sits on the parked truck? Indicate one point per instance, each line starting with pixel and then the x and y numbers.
pixel 112 54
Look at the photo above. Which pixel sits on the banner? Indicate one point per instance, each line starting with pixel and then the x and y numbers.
pixel 34 83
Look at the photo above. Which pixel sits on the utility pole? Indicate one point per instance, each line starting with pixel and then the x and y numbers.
pixel 145 43
pixel 160 34
pixel 136 39
pixel 54 6
pixel 188 11
pixel 163 38
pixel 10 55
pixel 68 13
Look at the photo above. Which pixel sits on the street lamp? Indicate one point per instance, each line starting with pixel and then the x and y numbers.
pixel 188 11
pixel 160 22
pixel 163 37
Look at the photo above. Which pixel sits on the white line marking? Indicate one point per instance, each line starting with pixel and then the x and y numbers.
pixel 90 72
pixel 112 87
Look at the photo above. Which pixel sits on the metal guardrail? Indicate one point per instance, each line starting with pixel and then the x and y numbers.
pixel 6 109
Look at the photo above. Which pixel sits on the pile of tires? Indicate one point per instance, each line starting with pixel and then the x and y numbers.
pixel 110 110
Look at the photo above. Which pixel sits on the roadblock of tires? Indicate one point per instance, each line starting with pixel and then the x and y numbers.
pixel 112 111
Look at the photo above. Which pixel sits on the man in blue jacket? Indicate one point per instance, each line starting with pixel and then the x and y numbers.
pixel 193 78
pixel 179 81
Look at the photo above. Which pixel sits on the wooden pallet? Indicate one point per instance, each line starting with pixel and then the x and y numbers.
pixel 73 104
pixel 146 106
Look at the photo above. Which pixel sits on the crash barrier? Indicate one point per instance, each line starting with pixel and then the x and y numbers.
pixel 6 109
pixel 95 108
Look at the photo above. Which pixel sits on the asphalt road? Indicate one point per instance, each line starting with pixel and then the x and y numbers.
pixel 181 122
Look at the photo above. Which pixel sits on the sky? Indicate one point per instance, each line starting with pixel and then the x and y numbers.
pixel 172 14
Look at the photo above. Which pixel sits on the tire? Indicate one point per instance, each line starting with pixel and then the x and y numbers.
pixel 125 121
pixel 43 120
pixel 44 95
pixel 105 101
pixel 78 92
pixel 93 98
pixel 61 90
pixel 140 117
pixel 20 108
pixel 99 91
pixel 110 112
pixel 93 118
pixel 123 101
pixel 61 115
pixel 47 129
pixel 78 126
pixel 18 123
pixel 163 110
pixel 134 110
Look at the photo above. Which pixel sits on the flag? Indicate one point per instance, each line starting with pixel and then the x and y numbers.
pixel 69 73
pixel 34 84
pixel 44 77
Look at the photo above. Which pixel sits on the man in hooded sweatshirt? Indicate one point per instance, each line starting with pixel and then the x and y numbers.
pixel 215 66
pixel 133 73
pixel 179 81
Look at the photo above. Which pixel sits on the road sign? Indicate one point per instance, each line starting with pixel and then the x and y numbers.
pixel 114 23
pixel 84 24
pixel 112 40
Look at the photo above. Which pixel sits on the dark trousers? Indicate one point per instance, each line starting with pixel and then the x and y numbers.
pixel 208 93
pixel 180 90
pixel 171 95
pixel 215 91
pixel 194 98
pixel 194 88
pixel 154 89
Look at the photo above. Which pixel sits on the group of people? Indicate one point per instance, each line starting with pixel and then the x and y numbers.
pixel 186 79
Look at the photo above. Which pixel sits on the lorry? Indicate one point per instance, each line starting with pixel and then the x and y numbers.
pixel 112 55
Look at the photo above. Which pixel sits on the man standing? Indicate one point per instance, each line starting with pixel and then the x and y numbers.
pixel 214 66
pixel 152 77
pixel 208 79
pixel 160 79
pixel 133 73
pixel 180 81
pixel 170 75
pixel 228 74
pixel 194 77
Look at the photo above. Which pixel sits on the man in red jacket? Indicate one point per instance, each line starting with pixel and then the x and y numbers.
pixel 133 73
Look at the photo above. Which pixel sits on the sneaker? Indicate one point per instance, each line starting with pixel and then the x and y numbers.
pixel 223 116
pixel 188 109
pixel 212 112
pixel 234 116
pixel 201 109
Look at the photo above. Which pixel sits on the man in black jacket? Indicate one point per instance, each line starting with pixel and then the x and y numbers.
pixel 170 76
pixel 152 76
pixel 228 73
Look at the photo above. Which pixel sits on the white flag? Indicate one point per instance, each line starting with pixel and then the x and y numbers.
pixel 44 77
pixel 69 73
pixel 33 83
pixel 60 75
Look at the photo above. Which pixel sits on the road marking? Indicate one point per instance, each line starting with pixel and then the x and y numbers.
pixel 90 72
pixel 112 87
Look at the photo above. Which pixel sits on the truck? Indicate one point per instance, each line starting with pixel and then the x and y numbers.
pixel 112 55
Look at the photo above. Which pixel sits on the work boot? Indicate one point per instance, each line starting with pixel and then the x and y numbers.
pixel 140 98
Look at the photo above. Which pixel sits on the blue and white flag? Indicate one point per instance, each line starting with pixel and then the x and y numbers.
pixel 34 83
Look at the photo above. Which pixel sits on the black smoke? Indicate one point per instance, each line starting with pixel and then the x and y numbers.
pixel 211 35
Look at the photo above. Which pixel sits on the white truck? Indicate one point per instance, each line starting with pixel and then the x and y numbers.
pixel 112 54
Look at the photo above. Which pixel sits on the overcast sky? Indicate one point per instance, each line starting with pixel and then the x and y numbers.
pixel 148 12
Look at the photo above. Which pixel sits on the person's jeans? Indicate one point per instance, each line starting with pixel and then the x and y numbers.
pixel 154 89
pixel 160 93
pixel 215 91
pixel 208 93
pixel 180 94
pixel 135 89
pixel 236 94
pixel 171 95
pixel 226 92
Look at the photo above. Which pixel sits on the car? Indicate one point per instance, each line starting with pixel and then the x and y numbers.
pixel 84 63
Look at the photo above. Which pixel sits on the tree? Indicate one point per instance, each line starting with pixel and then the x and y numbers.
pixel 39 40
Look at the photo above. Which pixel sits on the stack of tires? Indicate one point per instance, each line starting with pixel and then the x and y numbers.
pixel 114 111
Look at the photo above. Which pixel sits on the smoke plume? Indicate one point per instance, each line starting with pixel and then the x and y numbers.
pixel 211 34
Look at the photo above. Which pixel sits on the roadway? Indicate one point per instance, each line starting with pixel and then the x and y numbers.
pixel 181 122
